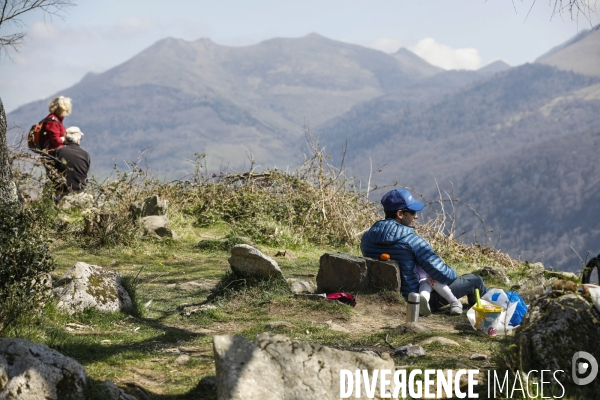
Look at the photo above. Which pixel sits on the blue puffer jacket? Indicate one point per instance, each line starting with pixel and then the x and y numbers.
pixel 409 249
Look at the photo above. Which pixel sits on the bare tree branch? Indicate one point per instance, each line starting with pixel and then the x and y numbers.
pixel 12 11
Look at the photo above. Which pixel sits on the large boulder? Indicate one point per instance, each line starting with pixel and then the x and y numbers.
pixel 33 371
pixel 276 367
pixel 90 286
pixel 246 260
pixel 152 205
pixel 339 272
pixel 554 329
pixel 343 272
pixel 383 275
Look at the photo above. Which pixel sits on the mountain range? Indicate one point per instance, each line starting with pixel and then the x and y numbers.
pixel 518 144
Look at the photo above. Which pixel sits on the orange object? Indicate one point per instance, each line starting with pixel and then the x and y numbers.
pixel 385 256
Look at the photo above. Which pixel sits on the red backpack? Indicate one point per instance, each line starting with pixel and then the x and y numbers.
pixel 36 138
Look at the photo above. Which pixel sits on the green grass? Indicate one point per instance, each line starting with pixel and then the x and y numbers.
pixel 141 345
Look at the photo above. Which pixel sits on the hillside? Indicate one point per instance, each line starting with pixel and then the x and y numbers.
pixel 453 142
pixel 492 117
pixel 224 101
pixel 541 200
pixel 580 54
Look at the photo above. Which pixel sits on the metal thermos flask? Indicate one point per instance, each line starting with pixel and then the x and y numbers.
pixel 412 308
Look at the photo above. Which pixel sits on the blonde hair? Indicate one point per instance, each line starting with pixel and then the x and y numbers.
pixel 60 106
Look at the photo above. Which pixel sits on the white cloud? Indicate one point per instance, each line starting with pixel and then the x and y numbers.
pixel 446 57
pixel 386 44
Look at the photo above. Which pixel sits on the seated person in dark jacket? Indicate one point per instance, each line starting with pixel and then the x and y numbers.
pixel 72 162
pixel 395 235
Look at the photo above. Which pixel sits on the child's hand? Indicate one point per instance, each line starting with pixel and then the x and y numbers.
pixel 432 281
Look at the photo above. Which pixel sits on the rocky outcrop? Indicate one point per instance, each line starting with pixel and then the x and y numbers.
pixel 246 260
pixel 90 286
pixel 339 272
pixel 276 367
pixel 152 205
pixel 554 329
pixel 33 371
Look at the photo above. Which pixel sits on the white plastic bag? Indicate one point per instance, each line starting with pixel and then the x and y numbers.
pixel 498 297
pixel 594 292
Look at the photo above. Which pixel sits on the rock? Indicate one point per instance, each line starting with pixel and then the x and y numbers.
pixel 247 260
pixel 148 207
pixel 182 359
pixel 90 286
pixel 157 226
pixel 493 272
pixel 113 392
pixel 554 329
pixel 277 367
pixel 244 371
pixel 441 340
pixel 335 327
pixel 188 310
pixel 287 254
pixel 80 200
pixel 370 353
pixel 298 287
pixel 535 278
pixel 383 275
pixel 561 275
pixel 411 327
pixel 478 357
pixel 339 272
pixel 409 351
pixel 33 371
pixel 279 324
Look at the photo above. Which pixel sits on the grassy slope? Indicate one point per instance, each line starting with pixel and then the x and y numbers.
pixel 143 346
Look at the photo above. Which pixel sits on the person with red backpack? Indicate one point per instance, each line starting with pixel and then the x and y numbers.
pixel 53 131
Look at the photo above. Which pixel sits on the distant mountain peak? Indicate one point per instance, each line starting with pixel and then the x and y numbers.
pixel 410 60
pixel 494 67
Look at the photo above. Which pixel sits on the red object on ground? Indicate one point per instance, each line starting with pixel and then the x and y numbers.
pixel 345 298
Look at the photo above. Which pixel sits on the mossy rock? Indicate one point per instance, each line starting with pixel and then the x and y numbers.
pixel 553 330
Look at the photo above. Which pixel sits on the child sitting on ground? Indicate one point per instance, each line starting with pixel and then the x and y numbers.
pixel 426 284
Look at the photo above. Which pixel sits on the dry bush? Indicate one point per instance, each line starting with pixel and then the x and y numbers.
pixel 315 203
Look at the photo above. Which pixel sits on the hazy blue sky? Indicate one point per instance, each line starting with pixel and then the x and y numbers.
pixel 98 35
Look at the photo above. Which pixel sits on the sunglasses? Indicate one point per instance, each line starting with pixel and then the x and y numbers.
pixel 411 212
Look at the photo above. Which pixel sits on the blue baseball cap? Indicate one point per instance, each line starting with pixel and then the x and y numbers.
pixel 399 199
